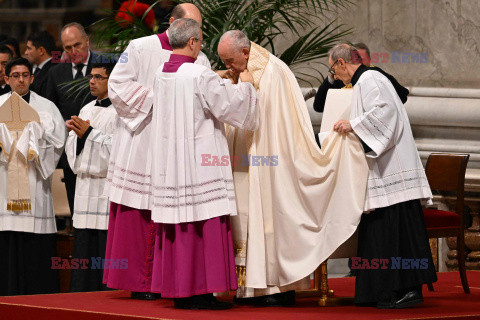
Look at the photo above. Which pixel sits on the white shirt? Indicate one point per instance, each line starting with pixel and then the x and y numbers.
pixel 84 69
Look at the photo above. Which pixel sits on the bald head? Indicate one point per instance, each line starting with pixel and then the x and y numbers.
pixel 75 42
pixel 186 10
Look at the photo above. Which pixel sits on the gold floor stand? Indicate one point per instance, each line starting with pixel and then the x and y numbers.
pixel 320 289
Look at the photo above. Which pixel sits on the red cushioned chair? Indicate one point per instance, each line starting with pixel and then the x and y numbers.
pixel 446 172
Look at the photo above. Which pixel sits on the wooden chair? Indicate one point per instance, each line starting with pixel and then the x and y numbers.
pixel 446 172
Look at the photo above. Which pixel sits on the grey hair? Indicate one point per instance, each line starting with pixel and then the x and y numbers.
pixel 181 30
pixel 239 40
pixel 346 52
pixel 76 25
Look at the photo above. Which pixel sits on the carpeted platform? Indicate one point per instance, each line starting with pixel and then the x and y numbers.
pixel 447 302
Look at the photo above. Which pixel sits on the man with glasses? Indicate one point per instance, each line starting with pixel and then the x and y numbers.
pixel 129 177
pixel 27 233
pixel 363 56
pixel 393 225
pixel 192 202
pixel 88 152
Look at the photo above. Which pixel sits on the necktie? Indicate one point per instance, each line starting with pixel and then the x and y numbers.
pixel 37 71
pixel 79 74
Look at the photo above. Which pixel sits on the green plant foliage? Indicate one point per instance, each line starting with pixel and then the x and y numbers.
pixel 264 22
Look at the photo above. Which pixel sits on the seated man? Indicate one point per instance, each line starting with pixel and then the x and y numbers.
pixel 88 152
pixel 191 201
pixel 27 232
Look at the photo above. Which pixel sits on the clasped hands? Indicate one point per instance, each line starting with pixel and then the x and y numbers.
pixel 78 125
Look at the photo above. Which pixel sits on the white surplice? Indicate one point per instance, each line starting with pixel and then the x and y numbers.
pixel 91 166
pixel 130 90
pixel 379 118
pixel 46 140
pixel 190 106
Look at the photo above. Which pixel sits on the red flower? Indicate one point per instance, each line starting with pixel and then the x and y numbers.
pixel 137 9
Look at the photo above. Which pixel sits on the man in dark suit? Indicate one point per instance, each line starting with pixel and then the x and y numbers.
pixel 5 56
pixel 68 97
pixel 330 83
pixel 39 53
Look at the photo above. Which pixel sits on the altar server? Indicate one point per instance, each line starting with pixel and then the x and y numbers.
pixel 393 225
pixel 131 233
pixel 88 150
pixel 27 225
pixel 192 200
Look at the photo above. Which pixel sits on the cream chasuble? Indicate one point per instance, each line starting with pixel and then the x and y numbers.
pixel 293 212
pixel 27 161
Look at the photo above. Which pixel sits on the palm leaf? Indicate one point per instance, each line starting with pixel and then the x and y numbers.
pixel 264 22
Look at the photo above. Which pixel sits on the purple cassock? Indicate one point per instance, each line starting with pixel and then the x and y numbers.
pixel 131 238
pixel 196 257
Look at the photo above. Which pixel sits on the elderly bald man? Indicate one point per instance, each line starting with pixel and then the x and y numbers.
pixel 131 233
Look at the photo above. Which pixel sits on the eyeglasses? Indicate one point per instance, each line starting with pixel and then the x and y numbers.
pixel 201 41
pixel 17 75
pixel 97 77
pixel 331 71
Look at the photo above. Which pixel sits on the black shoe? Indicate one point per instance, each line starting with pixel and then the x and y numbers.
pixel 204 301
pixel 283 299
pixel 408 298
pixel 144 295
pixel 245 301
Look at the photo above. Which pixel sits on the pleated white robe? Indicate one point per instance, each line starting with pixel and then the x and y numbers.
pixel 190 106
pixel 130 90
pixel 91 208
pixel 379 118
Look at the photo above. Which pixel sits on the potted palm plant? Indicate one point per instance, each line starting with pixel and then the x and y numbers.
pixel 265 22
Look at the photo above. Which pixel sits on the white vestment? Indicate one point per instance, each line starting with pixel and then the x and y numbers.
pixel 91 208
pixel 46 142
pixel 293 213
pixel 379 118
pixel 130 90
pixel 190 106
